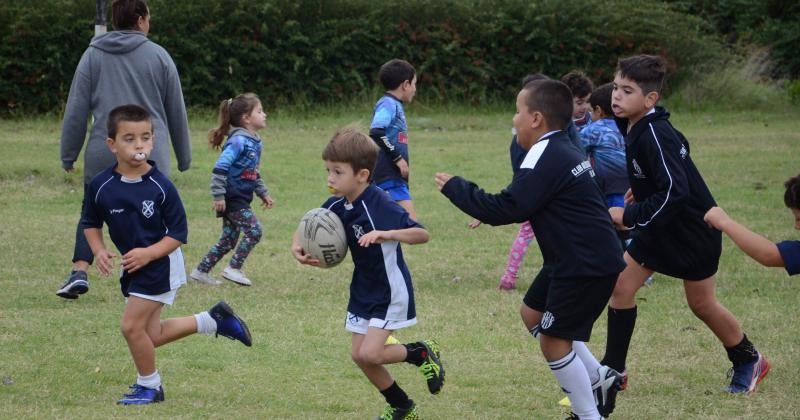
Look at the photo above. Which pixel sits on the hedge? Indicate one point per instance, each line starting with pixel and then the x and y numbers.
pixel 330 50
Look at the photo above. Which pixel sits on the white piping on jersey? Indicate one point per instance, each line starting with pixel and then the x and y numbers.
pixel 334 203
pixel 101 187
pixel 164 194
pixel 368 216
pixel 669 190
pixel 534 154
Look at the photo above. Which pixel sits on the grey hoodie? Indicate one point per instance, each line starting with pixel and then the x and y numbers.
pixel 120 68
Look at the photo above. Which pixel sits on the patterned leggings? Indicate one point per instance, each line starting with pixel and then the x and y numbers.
pixel 233 223
pixel 517 253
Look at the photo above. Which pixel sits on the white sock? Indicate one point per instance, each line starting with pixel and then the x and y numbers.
pixel 589 362
pixel 571 375
pixel 205 324
pixel 152 381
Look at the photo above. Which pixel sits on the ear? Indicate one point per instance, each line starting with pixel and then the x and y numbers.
pixel 651 99
pixel 537 119
pixel 363 175
pixel 111 145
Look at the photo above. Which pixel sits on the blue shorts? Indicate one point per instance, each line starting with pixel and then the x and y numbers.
pixel 397 189
pixel 615 200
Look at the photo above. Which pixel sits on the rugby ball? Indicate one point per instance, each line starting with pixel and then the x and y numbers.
pixel 322 236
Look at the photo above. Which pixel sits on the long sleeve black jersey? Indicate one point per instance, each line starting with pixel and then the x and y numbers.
pixel 554 189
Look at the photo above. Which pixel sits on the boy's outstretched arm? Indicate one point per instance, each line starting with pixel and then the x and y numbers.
pixel 756 246
pixel 512 205
pixel 411 236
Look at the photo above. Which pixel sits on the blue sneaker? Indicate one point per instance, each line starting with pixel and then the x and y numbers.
pixel 77 283
pixel 141 395
pixel 229 325
pixel 746 377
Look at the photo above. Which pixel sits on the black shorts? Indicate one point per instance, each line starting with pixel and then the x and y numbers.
pixel 569 306
pixel 687 260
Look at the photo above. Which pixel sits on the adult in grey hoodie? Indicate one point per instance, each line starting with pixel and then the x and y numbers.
pixel 121 67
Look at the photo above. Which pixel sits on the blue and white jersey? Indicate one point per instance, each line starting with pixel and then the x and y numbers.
pixel 389 116
pixel 139 213
pixel 381 285
pixel 790 252
pixel 605 146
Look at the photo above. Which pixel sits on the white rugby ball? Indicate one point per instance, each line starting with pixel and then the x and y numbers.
pixel 322 236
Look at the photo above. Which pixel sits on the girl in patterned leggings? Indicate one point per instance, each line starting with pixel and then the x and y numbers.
pixel 233 181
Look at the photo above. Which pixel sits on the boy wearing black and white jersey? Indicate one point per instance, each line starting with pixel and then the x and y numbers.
pixel 555 190
pixel 665 208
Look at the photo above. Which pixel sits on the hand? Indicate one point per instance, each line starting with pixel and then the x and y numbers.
pixel 441 179
pixel 616 216
pixel 267 202
pixel 105 261
pixel 219 206
pixel 716 217
pixel 403 165
pixel 375 237
pixel 300 255
pixel 474 223
pixel 135 259
pixel 629 197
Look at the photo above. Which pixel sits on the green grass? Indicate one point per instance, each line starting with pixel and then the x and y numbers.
pixel 67 359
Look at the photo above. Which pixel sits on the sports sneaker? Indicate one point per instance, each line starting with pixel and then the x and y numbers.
pixel 507 282
pixel 229 325
pixel 746 377
pixel 432 368
pixel 235 275
pixel 77 283
pixel 393 413
pixel 605 390
pixel 204 278
pixel 142 395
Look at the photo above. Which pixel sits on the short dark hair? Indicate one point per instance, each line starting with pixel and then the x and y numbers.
pixel 602 97
pixel 131 113
pixel 348 145
pixel 532 78
pixel 394 72
pixel 792 196
pixel 553 99
pixel 578 83
pixel 126 13
pixel 648 71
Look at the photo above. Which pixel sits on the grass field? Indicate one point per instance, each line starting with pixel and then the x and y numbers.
pixel 67 359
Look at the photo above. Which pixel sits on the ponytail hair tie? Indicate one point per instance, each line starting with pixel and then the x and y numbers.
pixel 230 101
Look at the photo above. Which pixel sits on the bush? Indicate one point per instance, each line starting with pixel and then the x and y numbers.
pixel 327 51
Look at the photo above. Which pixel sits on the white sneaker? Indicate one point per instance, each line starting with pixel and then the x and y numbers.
pixel 605 390
pixel 236 276
pixel 204 278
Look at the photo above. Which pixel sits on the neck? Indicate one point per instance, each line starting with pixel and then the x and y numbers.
pixel 635 119
pixel 397 93
pixel 132 172
pixel 357 193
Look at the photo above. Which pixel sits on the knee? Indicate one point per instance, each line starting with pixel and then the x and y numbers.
pixel 701 306
pixel 356 356
pixel 255 232
pixel 129 329
pixel 370 358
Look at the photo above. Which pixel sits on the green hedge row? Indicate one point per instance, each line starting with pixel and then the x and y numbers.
pixel 330 50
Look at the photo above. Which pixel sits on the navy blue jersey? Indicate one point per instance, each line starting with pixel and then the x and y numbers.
pixel 517 153
pixel 555 191
pixel 390 131
pixel 139 213
pixel 381 285
pixel 790 252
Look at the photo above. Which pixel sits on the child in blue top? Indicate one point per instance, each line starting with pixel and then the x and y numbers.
pixel 390 131
pixel 381 293
pixel 147 223
pixel 605 147
pixel 233 181
pixel 782 254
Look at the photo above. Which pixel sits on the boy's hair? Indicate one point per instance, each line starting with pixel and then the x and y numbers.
pixel 126 13
pixel 132 113
pixel 602 97
pixel 350 146
pixel 553 99
pixel 792 196
pixel 394 72
pixel 533 77
pixel 648 71
pixel 231 111
pixel 578 83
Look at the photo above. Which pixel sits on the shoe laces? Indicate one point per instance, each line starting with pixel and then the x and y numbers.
pixel 429 369
pixel 388 413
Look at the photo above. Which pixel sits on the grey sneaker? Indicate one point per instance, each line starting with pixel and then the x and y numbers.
pixel 204 278
pixel 77 283
pixel 236 276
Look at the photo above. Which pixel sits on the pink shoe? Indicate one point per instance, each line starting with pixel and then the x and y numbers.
pixel 507 283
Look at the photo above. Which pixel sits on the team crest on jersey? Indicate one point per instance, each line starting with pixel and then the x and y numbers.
pixel 547 320
pixel 684 152
pixel 637 170
pixel 148 208
pixel 358 231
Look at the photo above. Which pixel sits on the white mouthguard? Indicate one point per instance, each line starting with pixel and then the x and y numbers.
pixel 140 156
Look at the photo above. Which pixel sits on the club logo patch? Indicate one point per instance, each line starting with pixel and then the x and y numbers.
pixel 148 208
pixel 547 320
pixel 358 231
pixel 637 170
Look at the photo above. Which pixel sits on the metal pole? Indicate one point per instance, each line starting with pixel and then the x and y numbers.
pixel 100 18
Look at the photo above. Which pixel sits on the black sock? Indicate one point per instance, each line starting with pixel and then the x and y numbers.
pixel 620 331
pixel 396 397
pixel 742 353
pixel 416 353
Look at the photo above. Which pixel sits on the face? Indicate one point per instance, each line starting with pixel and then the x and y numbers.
pixel 628 101
pixel 409 90
pixel 133 143
pixel 580 106
pixel 343 181
pixel 796 214
pixel 526 123
pixel 256 119
pixel 144 23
